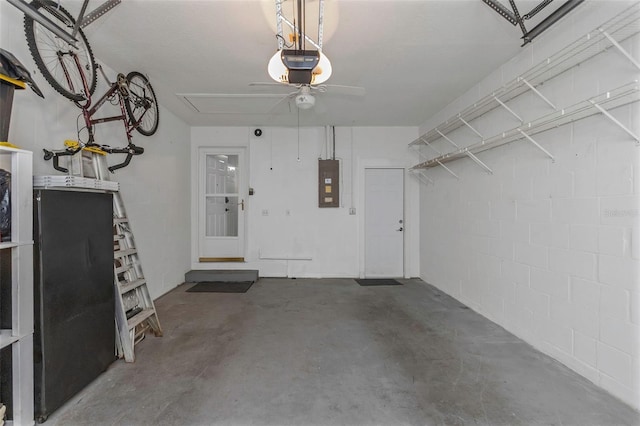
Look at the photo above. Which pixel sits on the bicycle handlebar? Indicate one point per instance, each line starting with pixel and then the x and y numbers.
pixel 130 150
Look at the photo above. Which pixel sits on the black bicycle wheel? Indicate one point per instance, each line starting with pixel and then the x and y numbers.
pixel 141 104
pixel 55 57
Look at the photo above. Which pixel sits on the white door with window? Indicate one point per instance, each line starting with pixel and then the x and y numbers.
pixel 384 223
pixel 221 205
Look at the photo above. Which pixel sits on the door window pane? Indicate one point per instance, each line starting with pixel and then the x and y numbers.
pixel 221 215
pixel 221 174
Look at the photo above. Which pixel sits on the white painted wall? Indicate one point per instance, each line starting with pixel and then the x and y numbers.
pixel 549 250
pixel 153 185
pixel 329 236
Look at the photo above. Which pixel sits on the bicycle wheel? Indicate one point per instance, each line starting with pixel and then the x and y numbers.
pixel 55 57
pixel 141 104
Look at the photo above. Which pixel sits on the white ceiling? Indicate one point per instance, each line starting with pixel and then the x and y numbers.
pixel 412 56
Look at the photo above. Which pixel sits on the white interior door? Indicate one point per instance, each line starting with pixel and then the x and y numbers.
pixel 221 205
pixel 384 223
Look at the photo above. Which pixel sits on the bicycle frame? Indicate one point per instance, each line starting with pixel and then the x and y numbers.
pixel 117 88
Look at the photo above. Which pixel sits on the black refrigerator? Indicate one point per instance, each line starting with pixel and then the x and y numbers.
pixel 74 331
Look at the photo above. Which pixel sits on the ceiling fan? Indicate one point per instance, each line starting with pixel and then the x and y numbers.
pixel 305 94
pixel 295 66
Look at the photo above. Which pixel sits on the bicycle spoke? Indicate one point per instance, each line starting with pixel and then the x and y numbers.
pixel 141 104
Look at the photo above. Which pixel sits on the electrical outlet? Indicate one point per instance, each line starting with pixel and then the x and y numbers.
pixel 265 212
pixel 352 210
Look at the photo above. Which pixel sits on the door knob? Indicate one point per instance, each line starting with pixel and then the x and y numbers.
pixel 241 204
pixel 399 229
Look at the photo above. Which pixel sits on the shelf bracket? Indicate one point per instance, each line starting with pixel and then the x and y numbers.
pixel 620 48
pixel 616 121
pixel 467 152
pixel 540 147
pixel 432 148
pixel 448 169
pixel 438 161
pixel 502 104
pixel 472 129
pixel 537 92
pixel 423 178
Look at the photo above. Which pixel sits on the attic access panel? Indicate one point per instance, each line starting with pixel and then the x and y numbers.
pixel 513 15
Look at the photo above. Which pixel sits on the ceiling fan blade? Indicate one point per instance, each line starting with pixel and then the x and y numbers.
pixel 276 106
pixel 320 107
pixel 264 83
pixel 337 89
pixel 345 90
pixel 273 85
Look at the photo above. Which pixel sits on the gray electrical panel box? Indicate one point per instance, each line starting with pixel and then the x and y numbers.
pixel 328 188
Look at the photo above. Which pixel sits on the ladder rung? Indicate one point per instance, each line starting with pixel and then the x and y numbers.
pixel 126 287
pixel 120 220
pixel 117 237
pixel 123 253
pixel 140 317
pixel 123 268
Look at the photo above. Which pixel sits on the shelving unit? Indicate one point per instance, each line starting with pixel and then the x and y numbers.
pixel 20 336
pixel 608 36
pixel 600 104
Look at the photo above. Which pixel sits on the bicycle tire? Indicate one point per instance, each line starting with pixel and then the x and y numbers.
pixel 142 104
pixel 48 50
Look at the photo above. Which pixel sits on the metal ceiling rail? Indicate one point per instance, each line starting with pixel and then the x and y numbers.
pixel 280 18
pixel 616 30
pixel 602 103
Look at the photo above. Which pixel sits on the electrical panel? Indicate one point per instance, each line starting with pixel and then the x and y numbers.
pixel 328 188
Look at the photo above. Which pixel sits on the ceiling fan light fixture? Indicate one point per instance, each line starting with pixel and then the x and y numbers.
pixel 305 101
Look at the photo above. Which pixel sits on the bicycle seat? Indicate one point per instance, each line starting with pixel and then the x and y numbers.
pixel 12 71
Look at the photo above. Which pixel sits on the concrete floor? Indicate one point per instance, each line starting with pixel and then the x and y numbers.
pixel 329 352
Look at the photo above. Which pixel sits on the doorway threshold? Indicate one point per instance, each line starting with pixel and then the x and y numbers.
pixel 220 259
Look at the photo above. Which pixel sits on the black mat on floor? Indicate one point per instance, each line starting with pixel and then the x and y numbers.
pixel 376 282
pixel 221 287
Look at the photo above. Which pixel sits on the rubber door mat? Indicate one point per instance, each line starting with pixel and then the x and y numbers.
pixel 377 282
pixel 221 287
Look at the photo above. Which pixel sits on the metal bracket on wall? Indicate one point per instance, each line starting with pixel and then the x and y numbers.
pixel 536 144
pixel 448 169
pixel 537 92
pixel 471 127
pixel 466 151
pixel 421 176
pixel 616 121
pixel 620 48
pixel 440 154
pixel 502 104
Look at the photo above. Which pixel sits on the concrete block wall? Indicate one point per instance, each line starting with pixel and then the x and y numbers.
pixel 550 250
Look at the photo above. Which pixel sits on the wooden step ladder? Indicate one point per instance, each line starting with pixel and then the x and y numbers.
pixel 135 312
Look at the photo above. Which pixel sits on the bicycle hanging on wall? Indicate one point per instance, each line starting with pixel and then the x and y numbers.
pixel 70 68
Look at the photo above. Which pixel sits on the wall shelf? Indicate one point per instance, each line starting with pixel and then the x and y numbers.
pixel 621 96
pixel 20 336
pixel 616 30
